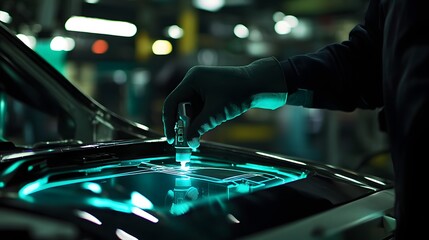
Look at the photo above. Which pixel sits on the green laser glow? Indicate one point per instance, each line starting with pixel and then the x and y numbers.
pixel 270 169
pixel 12 168
pixel 243 188
pixel 141 201
pixel 110 204
pixel 268 100
pixel 2 115
pixel 93 187
pixel 42 184
pixel 30 188
pixel 180 208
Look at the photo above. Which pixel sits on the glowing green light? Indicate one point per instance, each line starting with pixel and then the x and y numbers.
pixel 243 188
pixel 2 184
pixel 268 100
pixel 195 160
pixel 141 201
pixel 12 168
pixel 2 115
pixel 121 207
pixel 293 177
pixel 111 204
pixel 183 155
pixel 183 165
pixel 30 188
pixel 2 105
pixel 43 184
pixel 93 187
pixel 180 208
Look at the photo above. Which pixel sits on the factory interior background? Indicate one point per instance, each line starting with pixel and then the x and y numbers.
pixel 132 66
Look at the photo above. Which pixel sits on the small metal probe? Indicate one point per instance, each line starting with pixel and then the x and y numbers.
pixel 183 151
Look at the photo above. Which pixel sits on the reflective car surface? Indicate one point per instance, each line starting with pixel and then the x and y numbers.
pixel 72 169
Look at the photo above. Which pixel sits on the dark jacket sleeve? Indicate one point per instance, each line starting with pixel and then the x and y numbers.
pixel 341 76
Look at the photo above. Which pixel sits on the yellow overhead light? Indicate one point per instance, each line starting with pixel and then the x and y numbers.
pixel 100 26
pixel 162 47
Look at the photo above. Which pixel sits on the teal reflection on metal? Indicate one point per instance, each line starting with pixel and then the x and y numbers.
pixel 180 208
pixel 42 184
pixel 196 160
pixel 17 155
pixel 121 207
pixel 291 176
pixel 93 187
pixel 137 199
pixel 2 184
pixel 143 214
pixel 2 116
pixel 31 188
pixel 243 188
pixel 12 168
pixel 111 204
pixel 121 234
pixel 88 216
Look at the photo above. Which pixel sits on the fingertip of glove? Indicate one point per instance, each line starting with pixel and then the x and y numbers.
pixel 194 143
pixel 170 140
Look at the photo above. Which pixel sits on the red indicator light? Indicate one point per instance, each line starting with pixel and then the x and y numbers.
pixel 100 47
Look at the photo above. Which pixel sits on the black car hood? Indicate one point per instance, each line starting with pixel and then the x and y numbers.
pixel 137 188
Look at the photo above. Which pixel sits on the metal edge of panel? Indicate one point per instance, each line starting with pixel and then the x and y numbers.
pixel 366 218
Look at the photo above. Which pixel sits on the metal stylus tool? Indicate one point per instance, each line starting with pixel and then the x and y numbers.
pixel 183 151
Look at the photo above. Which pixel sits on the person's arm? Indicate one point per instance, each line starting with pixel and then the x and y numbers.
pixel 221 93
pixel 341 76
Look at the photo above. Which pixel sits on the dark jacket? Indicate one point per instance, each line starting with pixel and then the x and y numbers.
pixel 384 64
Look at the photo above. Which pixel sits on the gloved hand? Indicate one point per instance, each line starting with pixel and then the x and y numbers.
pixel 219 94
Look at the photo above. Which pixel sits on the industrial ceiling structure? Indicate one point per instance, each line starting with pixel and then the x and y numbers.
pixel 244 26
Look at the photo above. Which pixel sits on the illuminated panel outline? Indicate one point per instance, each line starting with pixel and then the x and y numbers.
pixel 143 166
